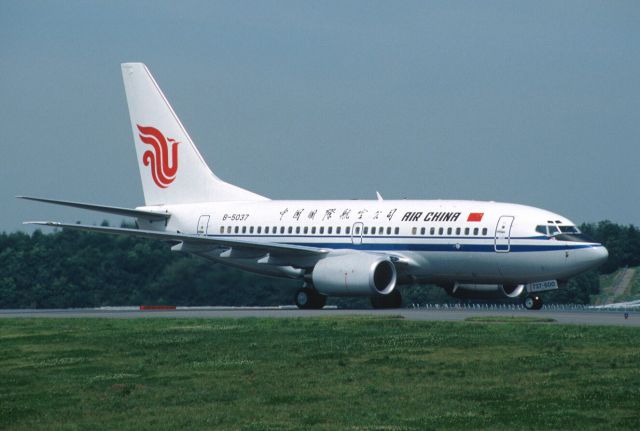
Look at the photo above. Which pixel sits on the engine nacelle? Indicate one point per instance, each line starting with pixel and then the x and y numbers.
pixel 485 291
pixel 354 274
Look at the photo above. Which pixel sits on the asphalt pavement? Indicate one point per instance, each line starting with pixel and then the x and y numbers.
pixel 567 317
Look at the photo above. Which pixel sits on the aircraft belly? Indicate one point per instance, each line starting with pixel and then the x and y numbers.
pixel 459 266
pixel 531 265
pixel 513 267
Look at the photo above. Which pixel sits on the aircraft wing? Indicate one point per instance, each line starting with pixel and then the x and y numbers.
pixel 275 249
pixel 128 212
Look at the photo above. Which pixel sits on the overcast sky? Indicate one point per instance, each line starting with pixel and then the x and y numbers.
pixel 529 102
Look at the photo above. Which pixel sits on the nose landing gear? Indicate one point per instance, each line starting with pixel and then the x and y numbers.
pixel 533 302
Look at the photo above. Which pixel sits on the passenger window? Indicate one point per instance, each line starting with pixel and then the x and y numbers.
pixel 397 231
pixel 441 231
pixel 388 231
pixel 321 230
pixel 365 230
pixel 373 230
pixel 313 230
pixel 244 229
pixel 290 229
pixel 466 231
pixel 432 231
pixel 357 230
pixel 221 229
pixel 266 229
pixel 484 231
pixel 236 229
pixel 413 231
pixel 282 229
pixel 259 229
pixel 275 230
pixel 251 229
pixel 422 231
pixel 338 230
pixel 329 229
pixel 306 229
pixel 475 231
pixel 297 229
pixel 449 230
pixel 457 231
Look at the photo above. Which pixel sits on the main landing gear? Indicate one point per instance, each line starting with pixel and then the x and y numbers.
pixel 309 299
pixel 533 302
pixel 392 300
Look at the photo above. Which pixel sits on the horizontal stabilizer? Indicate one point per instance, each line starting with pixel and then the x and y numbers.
pixel 272 248
pixel 128 212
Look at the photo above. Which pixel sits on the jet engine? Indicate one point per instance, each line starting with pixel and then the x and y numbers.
pixel 354 274
pixel 485 291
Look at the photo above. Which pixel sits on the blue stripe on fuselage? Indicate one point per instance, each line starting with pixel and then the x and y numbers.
pixel 516 248
pixel 404 246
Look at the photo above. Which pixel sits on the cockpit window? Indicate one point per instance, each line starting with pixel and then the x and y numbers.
pixel 569 229
pixel 552 229
pixel 563 232
pixel 541 229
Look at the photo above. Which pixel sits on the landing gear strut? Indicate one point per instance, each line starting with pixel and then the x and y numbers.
pixel 392 300
pixel 533 302
pixel 309 299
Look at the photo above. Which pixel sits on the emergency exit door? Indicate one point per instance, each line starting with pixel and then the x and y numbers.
pixel 203 225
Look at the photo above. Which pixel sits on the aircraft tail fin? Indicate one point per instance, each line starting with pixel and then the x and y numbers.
pixel 171 167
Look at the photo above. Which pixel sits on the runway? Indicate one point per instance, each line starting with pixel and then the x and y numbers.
pixel 451 315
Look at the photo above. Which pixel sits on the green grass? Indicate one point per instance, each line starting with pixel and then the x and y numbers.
pixel 607 282
pixel 319 374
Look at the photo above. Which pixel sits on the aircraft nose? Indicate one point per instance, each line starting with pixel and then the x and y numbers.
pixel 599 255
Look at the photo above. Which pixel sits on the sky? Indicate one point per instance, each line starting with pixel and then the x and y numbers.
pixel 532 102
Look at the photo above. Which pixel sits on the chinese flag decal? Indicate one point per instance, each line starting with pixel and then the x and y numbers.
pixel 475 217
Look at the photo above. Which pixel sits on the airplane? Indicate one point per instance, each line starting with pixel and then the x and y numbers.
pixel 348 248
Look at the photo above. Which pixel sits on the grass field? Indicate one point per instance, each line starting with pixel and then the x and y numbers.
pixel 333 373
pixel 608 282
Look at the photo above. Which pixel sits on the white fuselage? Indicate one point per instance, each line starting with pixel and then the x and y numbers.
pixel 339 248
pixel 445 241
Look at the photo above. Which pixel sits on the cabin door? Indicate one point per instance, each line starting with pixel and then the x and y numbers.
pixel 356 233
pixel 502 242
pixel 203 225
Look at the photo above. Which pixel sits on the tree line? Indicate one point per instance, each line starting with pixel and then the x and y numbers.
pixel 67 268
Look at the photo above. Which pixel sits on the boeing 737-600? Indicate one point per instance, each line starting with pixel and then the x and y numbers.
pixel 365 248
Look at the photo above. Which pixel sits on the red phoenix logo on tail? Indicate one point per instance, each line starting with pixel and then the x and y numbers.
pixel 163 170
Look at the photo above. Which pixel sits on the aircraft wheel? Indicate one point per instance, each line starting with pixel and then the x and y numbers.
pixel 532 302
pixel 309 299
pixel 319 301
pixel 392 300
pixel 538 303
